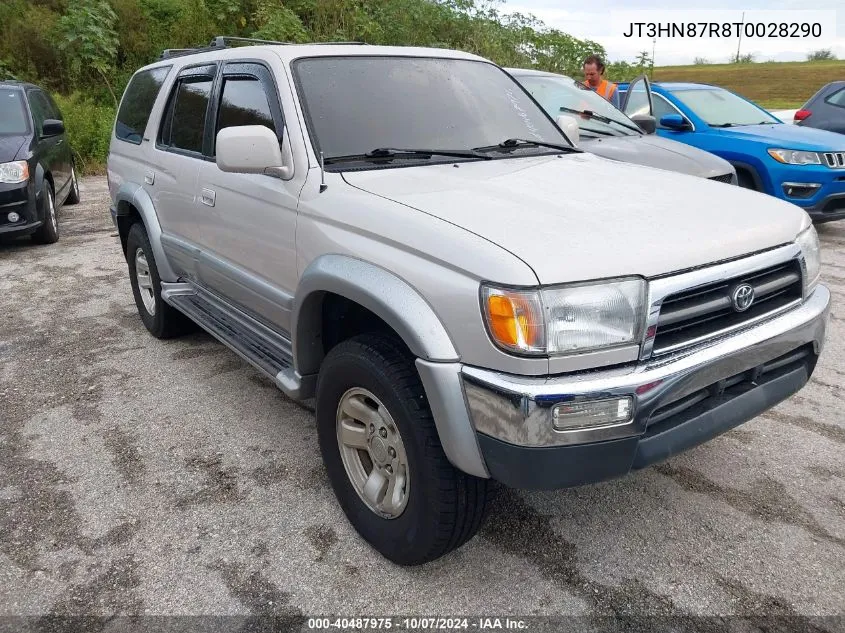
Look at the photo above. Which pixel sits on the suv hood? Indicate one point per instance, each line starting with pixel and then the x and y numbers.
pixel 786 136
pixel 574 217
pixel 10 146
pixel 653 151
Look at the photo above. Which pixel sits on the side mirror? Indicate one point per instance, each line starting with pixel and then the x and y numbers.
pixel 251 149
pixel 674 122
pixel 52 127
pixel 569 125
pixel 646 122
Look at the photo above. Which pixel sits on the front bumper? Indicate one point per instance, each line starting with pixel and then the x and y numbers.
pixel 828 208
pixel 20 199
pixel 680 401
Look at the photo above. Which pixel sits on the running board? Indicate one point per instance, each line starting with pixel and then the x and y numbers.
pixel 268 351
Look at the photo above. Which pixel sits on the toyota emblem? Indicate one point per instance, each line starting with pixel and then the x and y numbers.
pixel 742 297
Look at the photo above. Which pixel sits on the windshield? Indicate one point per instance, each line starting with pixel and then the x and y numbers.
pixel 356 104
pixel 718 107
pixel 13 118
pixel 554 93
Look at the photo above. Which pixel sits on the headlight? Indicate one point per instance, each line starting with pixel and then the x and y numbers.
pixel 793 157
pixel 566 319
pixel 13 173
pixel 808 240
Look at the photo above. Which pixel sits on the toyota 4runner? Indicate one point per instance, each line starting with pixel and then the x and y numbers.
pixel 405 236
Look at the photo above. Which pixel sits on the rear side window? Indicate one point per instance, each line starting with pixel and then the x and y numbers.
pixel 837 98
pixel 137 103
pixel 184 123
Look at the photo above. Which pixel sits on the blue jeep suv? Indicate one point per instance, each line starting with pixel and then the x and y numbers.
pixel 797 164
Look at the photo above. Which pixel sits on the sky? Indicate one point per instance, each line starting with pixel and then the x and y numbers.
pixel 605 21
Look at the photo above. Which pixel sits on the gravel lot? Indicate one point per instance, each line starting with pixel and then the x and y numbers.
pixel 140 476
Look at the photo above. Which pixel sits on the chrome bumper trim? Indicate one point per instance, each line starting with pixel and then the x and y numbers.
pixel 517 409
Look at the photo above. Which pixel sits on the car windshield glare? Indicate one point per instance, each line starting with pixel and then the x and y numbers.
pixel 13 118
pixel 356 104
pixel 719 107
pixel 555 93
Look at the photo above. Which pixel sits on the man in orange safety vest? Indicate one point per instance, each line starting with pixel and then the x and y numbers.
pixel 594 79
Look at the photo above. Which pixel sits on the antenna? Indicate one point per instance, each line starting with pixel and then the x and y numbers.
pixel 323 185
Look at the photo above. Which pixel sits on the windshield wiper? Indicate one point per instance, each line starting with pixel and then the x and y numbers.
pixel 724 125
pixel 593 130
pixel 393 153
pixel 600 117
pixel 511 144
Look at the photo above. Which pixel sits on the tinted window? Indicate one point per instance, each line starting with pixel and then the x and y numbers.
pixel 837 98
pixel 557 93
pixel 137 103
pixel 244 102
pixel 13 117
pixel 661 107
pixel 40 108
pixel 356 104
pixel 721 108
pixel 184 123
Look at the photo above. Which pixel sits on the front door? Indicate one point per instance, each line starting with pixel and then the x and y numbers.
pixel 638 99
pixel 249 252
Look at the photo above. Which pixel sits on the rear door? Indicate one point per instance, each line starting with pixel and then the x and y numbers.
pixel 65 153
pixel 249 249
pixel 181 149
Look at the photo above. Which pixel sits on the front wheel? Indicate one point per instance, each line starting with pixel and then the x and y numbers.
pixel 384 458
pixel 48 232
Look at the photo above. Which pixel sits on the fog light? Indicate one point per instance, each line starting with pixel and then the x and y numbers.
pixel 13 217
pixel 800 189
pixel 592 413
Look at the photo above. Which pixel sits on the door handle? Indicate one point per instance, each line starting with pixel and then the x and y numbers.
pixel 208 197
pixel 150 178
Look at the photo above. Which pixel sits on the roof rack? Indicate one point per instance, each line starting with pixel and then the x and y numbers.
pixel 222 41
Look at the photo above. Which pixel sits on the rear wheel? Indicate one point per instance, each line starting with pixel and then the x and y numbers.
pixel 161 319
pixel 73 196
pixel 48 232
pixel 384 457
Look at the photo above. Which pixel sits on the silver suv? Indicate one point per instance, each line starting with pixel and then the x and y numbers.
pixel 405 235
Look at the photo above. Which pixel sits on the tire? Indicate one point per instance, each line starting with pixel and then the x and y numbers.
pixel 161 319
pixel 73 195
pixel 443 506
pixel 48 232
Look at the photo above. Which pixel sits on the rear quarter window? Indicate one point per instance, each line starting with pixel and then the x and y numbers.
pixel 837 98
pixel 137 104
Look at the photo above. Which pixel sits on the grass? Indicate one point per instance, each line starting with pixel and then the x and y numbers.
pixel 773 85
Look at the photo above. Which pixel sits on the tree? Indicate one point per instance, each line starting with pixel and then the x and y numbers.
pixel 748 58
pixel 821 55
pixel 700 61
pixel 89 39
pixel 643 60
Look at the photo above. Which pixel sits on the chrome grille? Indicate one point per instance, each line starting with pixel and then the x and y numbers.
pixel 696 314
pixel 835 160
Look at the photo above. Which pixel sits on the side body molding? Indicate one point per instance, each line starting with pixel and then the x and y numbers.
pixel 374 288
pixel 134 195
